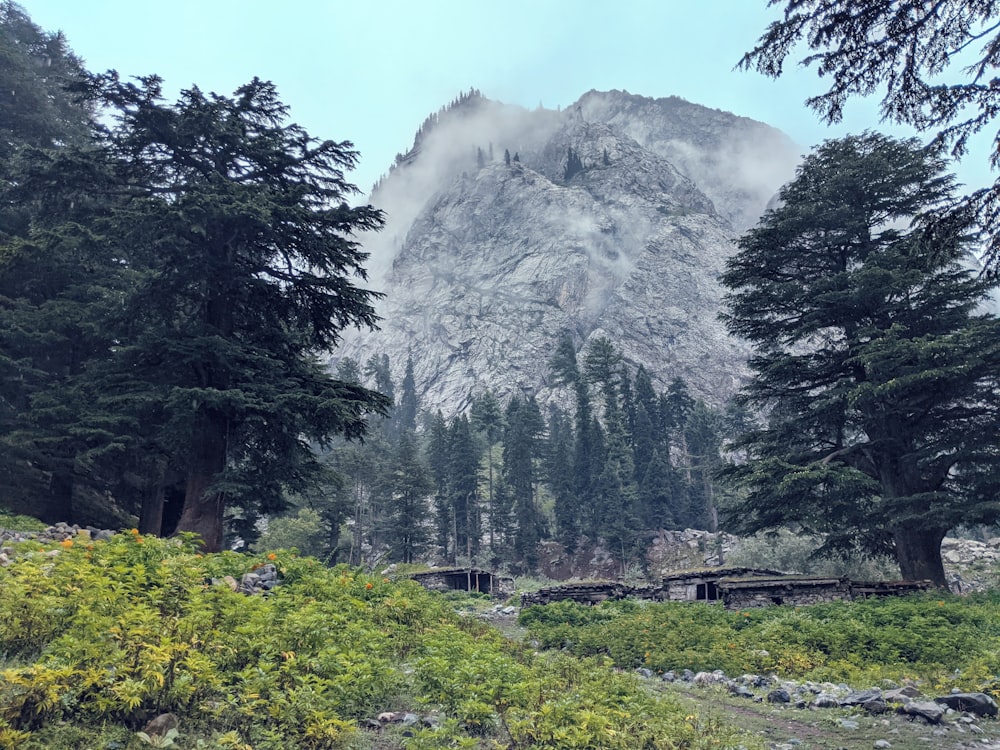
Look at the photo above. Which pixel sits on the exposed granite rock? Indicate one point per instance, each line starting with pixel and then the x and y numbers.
pixel 484 265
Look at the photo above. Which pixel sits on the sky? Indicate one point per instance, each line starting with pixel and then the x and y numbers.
pixel 370 71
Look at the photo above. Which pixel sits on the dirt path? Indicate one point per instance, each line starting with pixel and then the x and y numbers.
pixel 784 727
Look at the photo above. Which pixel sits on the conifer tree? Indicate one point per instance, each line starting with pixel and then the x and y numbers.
pixel 876 370
pixel 408 486
pixel 522 443
pixel 239 223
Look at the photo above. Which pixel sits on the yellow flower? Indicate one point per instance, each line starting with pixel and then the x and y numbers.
pixel 134 532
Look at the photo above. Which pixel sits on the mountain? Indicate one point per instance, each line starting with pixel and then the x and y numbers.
pixel 612 218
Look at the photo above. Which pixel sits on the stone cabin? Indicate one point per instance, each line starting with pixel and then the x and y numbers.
pixel 750 592
pixel 735 588
pixel 466 579
pixel 702 584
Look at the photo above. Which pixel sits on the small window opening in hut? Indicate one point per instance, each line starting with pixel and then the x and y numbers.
pixel 707 592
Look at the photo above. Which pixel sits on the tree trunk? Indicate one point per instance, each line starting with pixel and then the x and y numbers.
pixel 918 552
pixel 204 510
pixel 153 498
pixel 58 503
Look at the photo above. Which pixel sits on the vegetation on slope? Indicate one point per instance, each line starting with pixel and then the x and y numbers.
pixel 97 638
pixel 942 640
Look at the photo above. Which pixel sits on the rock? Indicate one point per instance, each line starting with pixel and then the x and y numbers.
pixel 160 725
pixel 929 711
pixel 709 678
pixel 848 724
pixel 669 676
pixel 882 745
pixel 860 697
pixel 979 704
pixel 483 266
pixel 825 700
pixel 741 691
pixel 643 672
pixel 901 695
pixel 779 695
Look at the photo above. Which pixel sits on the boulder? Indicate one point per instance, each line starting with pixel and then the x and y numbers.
pixel 979 704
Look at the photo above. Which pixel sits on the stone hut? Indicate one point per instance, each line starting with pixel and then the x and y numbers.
pixel 866 589
pixel 750 592
pixel 466 579
pixel 702 585
pixel 584 592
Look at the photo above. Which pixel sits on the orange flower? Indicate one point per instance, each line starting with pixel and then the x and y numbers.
pixel 369 586
pixel 67 543
pixel 272 556
pixel 134 532
pixel 385 580
pixel 139 540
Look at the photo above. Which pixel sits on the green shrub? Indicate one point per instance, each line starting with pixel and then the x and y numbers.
pixel 99 636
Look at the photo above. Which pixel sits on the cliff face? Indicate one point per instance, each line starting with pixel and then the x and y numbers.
pixel 611 218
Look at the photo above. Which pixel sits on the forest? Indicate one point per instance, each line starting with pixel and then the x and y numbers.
pixel 175 278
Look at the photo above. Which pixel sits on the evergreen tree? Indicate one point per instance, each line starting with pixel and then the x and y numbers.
pixel 240 222
pixel 463 484
pixel 522 443
pixel 878 374
pixel 559 473
pixel 408 486
pixel 438 459
pixel 573 164
pixel 506 157
pixel 662 495
pixel 405 415
pixel 487 420
pixel 703 441
pixel 906 49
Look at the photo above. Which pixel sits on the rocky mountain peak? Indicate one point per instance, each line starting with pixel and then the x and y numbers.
pixel 611 218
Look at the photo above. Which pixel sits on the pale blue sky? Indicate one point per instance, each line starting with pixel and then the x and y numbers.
pixel 371 71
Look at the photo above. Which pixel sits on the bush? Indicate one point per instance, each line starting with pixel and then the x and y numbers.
pixel 98 637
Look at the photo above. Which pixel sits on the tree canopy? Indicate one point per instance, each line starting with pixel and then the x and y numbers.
pixel 215 260
pixel 873 363
pixel 934 64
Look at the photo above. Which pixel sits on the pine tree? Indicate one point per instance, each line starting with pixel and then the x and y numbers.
pixel 487 420
pixel 239 223
pixel 405 415
pixel 408 486
pixel 876 371
pixel 522 443
pixel 463 487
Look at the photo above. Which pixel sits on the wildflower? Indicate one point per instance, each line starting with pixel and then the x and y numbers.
pixel 139 540
pixel 272 556
pixel 385 580
pixel 369 586
pixel 67 543
pixel 134 532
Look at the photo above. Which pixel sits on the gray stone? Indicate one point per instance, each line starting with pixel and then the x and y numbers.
pixel 741 691
pixel 929 711
pixel 779 695
pixel 901 695
pixel 848 723
pixel 882 745
pixel 825 700
pixel 979 704
pixel 483 267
